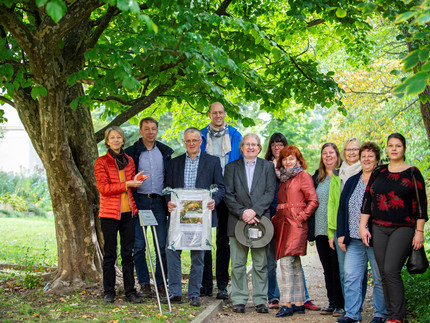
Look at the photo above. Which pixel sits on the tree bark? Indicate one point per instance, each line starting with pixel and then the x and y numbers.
pixel 66 145
pixel 425 112
pixel 65 142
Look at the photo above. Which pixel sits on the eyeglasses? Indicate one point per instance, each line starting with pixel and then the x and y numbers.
pixel 194 141
pixel 273 145
pixel 352 149
pixel 250 144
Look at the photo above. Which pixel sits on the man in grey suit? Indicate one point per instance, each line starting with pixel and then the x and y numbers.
pixel 250 188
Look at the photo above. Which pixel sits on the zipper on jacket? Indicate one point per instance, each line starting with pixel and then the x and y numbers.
pixel 120 203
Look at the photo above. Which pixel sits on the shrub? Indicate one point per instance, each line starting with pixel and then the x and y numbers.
pixel 417 289
pixel 25 192
pixel 417 294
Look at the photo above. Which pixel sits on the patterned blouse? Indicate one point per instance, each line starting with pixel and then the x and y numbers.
pixel 395 199
pixel 354 207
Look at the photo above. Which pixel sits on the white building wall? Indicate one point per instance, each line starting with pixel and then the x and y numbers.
pixel 17 154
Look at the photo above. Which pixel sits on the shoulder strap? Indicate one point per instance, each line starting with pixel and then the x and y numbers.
pixel 416 190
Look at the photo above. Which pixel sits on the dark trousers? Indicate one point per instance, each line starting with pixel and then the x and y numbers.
pixel 222 254
pixel 328 258
pixel 392 246
pixel 159 209
pixel 110 228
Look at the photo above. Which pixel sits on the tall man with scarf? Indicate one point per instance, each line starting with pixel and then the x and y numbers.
pixel 220 140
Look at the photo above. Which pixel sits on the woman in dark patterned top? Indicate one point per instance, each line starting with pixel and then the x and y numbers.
pixel 396 201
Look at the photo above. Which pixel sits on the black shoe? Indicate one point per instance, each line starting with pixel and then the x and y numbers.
pixel 338 312
pixel 299 309
pixel 204 291
pixel 285 311
pixel 222 294
pixel 109 298
pixel 347 319
pixel 261 308
pixel 195 301
pixel 327 311
pixel 239 308
pixel 173 300
pixel 134 298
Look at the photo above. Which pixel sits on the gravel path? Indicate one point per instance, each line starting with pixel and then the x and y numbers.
pixel 315 284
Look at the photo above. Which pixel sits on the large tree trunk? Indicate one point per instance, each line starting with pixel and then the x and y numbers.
pixel 68 157
pixel 425 111
pixel 65 142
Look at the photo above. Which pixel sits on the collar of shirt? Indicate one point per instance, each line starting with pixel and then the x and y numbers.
pixel 187 156
pixel 247 163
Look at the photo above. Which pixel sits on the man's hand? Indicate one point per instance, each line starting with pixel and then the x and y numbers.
pixel 211 205
pixel 171 206
pixel 249 216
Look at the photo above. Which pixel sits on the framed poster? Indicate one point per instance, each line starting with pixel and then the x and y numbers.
pixel 191 221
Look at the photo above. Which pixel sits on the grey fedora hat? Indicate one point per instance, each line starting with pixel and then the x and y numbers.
pixel 255 235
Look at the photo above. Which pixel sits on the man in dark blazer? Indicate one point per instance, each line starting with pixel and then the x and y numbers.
pixel 250 188
pixel 194 169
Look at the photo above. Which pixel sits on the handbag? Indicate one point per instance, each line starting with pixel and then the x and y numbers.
pixel 417 262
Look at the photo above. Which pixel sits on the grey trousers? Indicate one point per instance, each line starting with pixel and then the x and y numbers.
pixel 239 282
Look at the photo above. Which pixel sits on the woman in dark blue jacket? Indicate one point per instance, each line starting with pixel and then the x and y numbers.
pixel 357 254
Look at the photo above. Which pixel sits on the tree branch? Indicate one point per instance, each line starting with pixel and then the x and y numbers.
pixel 136 108
pixel 365 92
pixel 221 11
pixel 200 112
pixel 18 30
pixel 114 98
pixel 7 101
pixel 102 25
pixel 75 14
pixel 315 22
pixel 300 70
pixel 179 42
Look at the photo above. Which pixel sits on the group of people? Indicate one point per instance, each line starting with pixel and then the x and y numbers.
pixel 355 211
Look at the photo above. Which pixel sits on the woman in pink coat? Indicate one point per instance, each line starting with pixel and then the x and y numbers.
pixel 297 200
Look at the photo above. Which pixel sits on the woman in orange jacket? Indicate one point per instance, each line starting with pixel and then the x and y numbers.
pixel 115 176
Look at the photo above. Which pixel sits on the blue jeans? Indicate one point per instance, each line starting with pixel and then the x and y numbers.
pixel 355 265
pixel 273 290
pixel 158 207
pixel 306 289
pixel 175 272
pixel 341 260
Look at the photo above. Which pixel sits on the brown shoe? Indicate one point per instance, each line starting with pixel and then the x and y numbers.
pixel 173 300
pixel 146 291
pixel 161 291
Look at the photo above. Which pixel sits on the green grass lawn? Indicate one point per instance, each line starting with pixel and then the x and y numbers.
pixel 26 241
pixel 31 242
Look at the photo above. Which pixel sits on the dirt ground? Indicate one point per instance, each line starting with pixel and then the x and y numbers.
pixel 315 284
